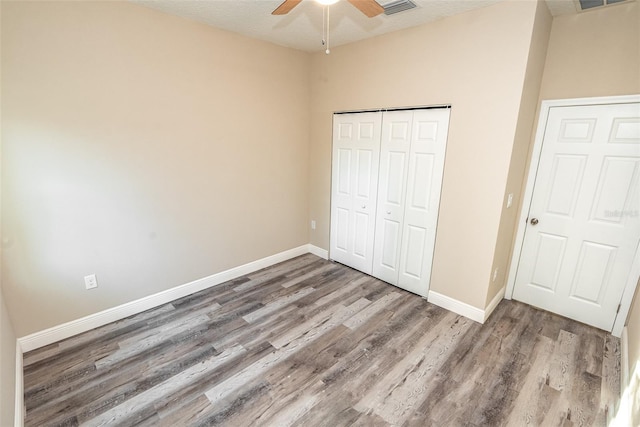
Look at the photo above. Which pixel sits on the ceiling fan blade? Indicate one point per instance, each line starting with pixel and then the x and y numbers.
pixel 370 8
pixel 285 7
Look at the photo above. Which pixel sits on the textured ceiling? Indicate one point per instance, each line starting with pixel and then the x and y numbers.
pixel 562 7
pixel 302 27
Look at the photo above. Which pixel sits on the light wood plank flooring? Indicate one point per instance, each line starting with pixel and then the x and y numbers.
pixel 314 343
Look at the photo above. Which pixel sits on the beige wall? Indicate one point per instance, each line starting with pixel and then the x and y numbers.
pixel 521 147
pixel 594 53
pixel 7 334
pixel 142 147
pixel 476 62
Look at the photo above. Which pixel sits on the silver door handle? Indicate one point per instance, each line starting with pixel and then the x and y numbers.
pixel 364 206
pixel 534 221
pixel 388 212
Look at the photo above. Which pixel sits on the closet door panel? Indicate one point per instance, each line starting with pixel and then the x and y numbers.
pixel 391 235
pixel 394 162
pixel 343 174
pixel 362 237
pixel 424 182
pixel 341 201
pixel 415 239
pixel 354 180
pixel 342 230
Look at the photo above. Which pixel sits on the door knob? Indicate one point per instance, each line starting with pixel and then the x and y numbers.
pixel 388 212
pixel 364 206
pixel 534 221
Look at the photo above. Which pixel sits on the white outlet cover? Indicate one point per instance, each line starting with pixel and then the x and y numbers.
pixel 90 281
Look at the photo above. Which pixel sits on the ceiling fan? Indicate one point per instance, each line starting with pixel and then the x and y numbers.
pixel 370 8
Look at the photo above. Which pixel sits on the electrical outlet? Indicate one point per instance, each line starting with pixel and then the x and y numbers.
pixel 313 224
pixel 90 281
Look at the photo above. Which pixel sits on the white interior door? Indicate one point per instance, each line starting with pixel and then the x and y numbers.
pixel 584 221
pixel 394 163
pixel 424 183
pixel 356 154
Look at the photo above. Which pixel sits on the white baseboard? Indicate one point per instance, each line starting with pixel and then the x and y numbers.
pixel 74 327
pixel 456 306
pixel 18 414
pixel 624 361
pixel 322 253
pixel 465 309
pixel 494 303
pixel 623 410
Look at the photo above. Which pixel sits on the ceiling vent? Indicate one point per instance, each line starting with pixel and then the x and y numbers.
pixel 590 4
pixel 398 6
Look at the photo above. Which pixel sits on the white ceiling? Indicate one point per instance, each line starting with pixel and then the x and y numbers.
pixel 302 27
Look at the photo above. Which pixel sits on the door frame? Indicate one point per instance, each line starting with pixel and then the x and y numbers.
pixel 545 108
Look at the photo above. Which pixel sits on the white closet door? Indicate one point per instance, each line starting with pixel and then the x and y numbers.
pixel 424 183
pixel 354 180
pixel 394 162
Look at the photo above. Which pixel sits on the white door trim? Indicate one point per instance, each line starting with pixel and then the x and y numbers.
pixel 627 296
pixel 528 193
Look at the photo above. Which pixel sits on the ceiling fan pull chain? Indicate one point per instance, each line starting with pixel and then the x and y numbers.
pixel 324 28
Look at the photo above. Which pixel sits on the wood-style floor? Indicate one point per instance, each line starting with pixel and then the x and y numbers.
pixel 313 343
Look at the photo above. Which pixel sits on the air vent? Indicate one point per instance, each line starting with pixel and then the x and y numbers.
pixel 398 6
pixel 590 4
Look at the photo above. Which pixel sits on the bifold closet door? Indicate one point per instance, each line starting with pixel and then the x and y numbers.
pixel 392 183
pixel 411 167
pixel 424 185
pixel 354 182
pixel 385 193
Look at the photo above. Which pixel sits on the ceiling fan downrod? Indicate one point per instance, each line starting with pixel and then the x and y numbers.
pixel 325 29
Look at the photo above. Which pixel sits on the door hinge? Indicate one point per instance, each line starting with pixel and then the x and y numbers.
pixel 618 310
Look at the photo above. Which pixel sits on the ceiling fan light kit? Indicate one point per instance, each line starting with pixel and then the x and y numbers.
pixel 370 8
